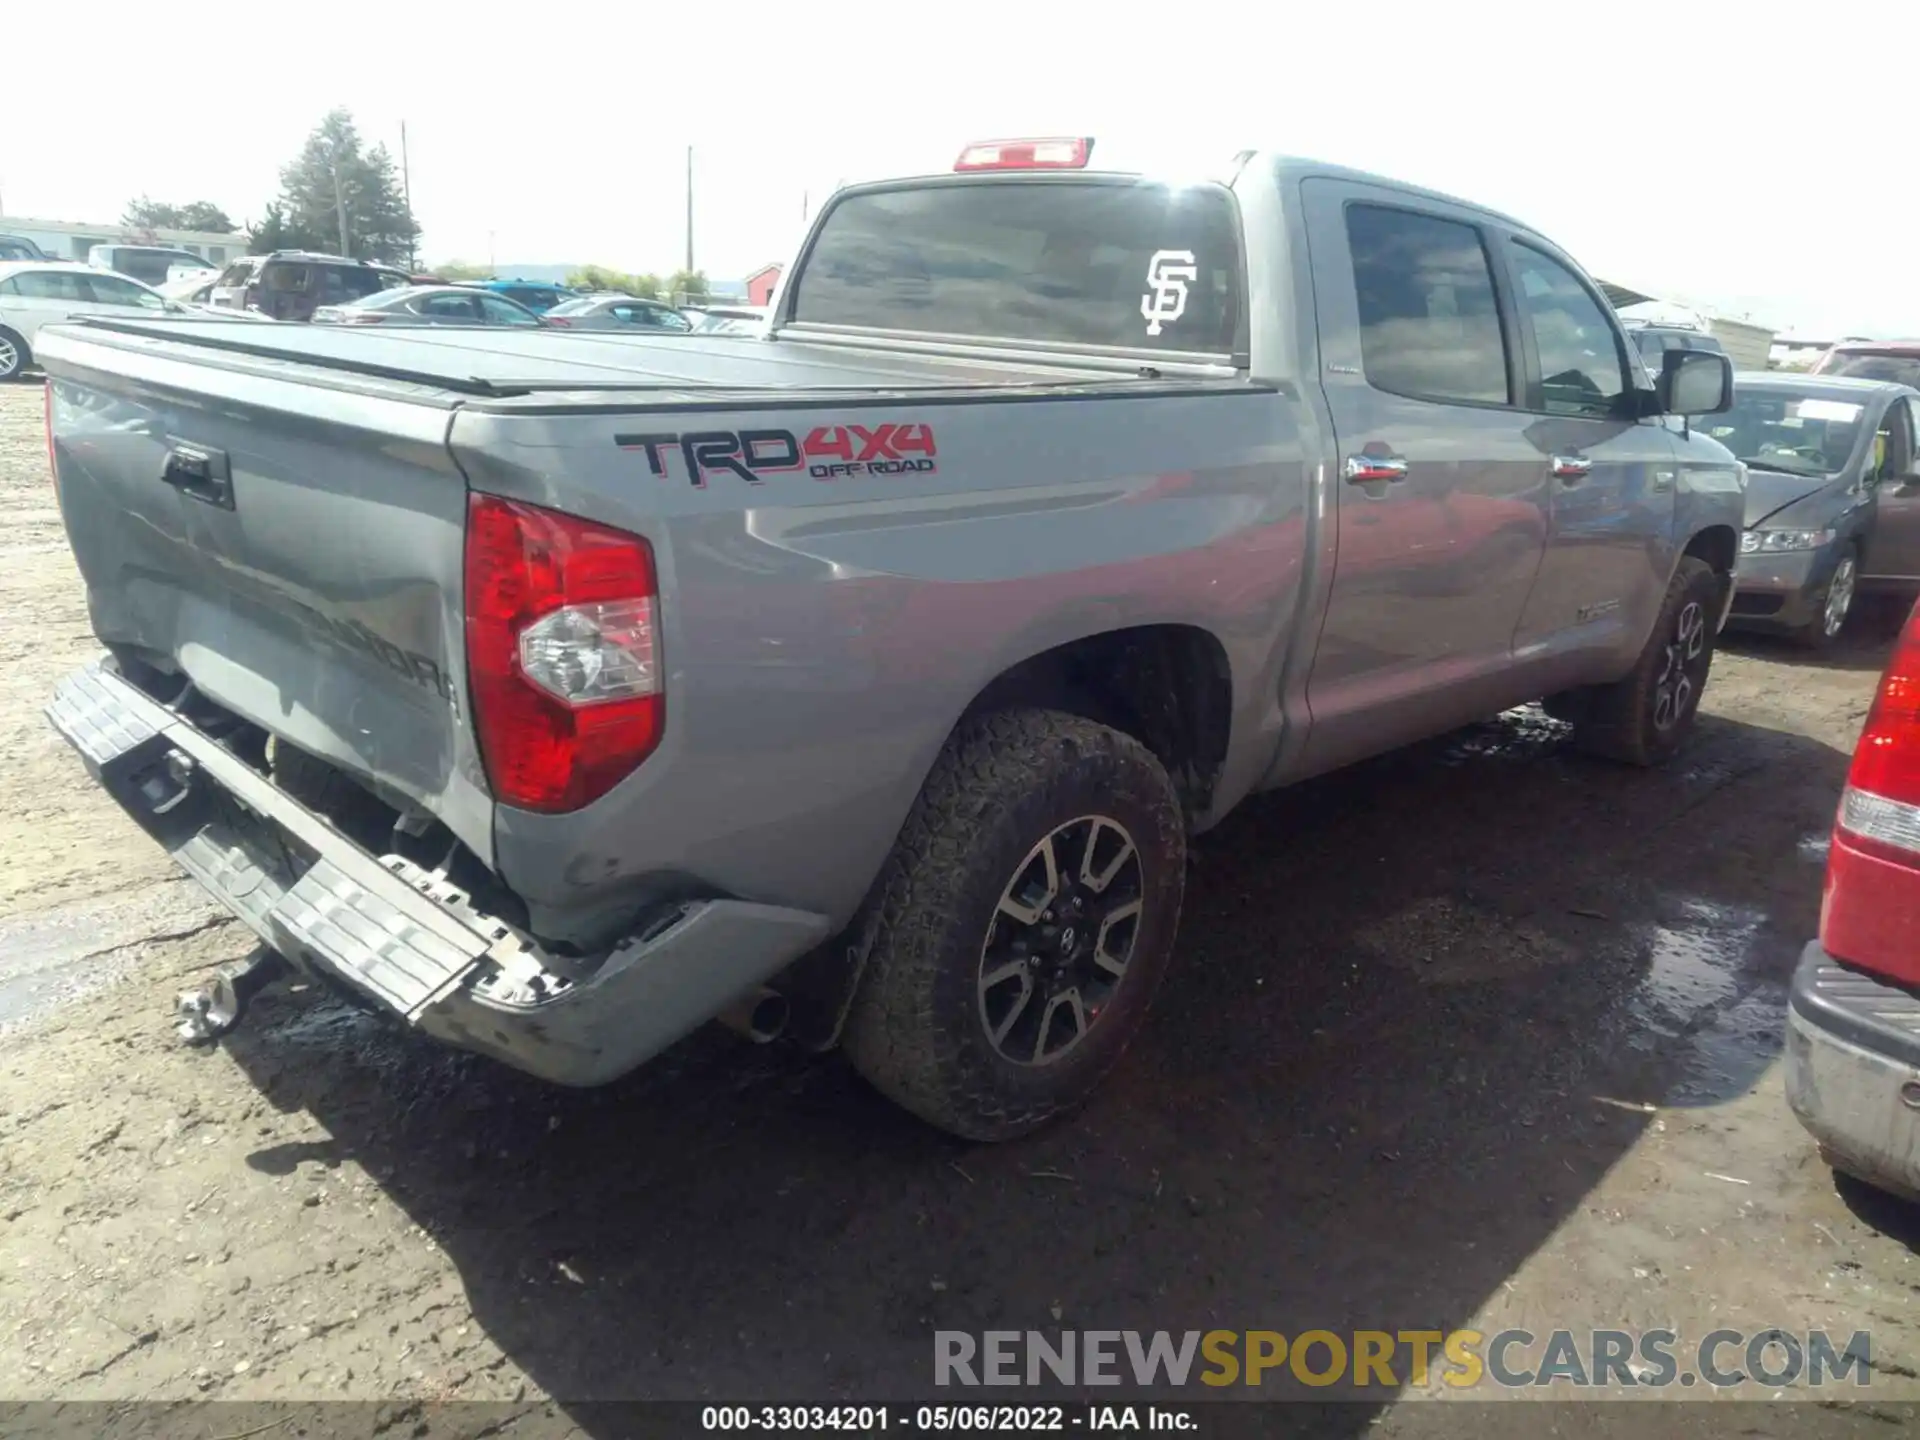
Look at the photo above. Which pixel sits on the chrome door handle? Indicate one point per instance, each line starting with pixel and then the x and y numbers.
pixel 1571 467
pixel 1360 469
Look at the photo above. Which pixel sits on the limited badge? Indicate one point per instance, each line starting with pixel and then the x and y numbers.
pixel 1169 274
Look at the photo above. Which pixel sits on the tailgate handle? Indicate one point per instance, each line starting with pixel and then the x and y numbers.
pixel 202 474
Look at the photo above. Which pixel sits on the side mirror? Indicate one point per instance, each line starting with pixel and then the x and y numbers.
pixel 1695 382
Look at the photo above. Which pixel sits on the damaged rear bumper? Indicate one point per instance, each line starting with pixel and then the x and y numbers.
pixel 400 935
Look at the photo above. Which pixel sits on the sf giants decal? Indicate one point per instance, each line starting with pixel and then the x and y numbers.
pixel 829 452
pixel 1169 273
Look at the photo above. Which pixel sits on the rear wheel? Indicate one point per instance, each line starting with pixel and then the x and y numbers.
pixel 1835 604
pixel 14 355
pixel 1645 718
pixel 1024 922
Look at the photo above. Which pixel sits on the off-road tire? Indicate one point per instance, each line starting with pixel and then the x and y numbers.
pixel 331 793
pixel 1617 721
pixel 23 356
pixel 1003 783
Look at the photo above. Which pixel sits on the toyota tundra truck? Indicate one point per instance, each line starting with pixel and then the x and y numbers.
pixel 557 692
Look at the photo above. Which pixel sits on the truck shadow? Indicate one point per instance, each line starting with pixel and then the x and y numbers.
pixel 1421 1007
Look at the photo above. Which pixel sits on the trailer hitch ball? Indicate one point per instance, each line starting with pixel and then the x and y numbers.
pixel 203 1015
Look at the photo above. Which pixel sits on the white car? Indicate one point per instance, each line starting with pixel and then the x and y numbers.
pixel 38 292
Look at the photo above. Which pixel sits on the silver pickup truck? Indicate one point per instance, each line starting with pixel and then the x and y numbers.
pixel 559 692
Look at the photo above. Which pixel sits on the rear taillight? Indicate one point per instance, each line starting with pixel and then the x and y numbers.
pixel 559 320
pixel 563 653
pixel 1870 914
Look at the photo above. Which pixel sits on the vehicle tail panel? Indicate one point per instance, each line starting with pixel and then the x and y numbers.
pixel 292 550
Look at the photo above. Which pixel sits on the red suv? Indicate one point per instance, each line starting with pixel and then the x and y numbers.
pixel 1853 1020
pixel 1895 360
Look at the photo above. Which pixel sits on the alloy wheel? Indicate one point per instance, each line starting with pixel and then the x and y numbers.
pixel 1678 681
pixel 1833 617
pixel 1057 948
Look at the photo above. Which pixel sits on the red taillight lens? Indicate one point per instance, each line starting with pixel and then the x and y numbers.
pixel 563 653
pixel 562 321
pixel 1886 762
pixel 1870 912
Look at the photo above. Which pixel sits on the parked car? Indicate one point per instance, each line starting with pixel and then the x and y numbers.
pixel 292 284
pixel 729 319
pixel 1853 1014
pixel 618 312
pixel 1833 498
pixel 149 264
pixel 871 682
pixel 1895 360
pixel 34 293
pixel 429 305
pixel 538 296
pixel 19 247
pixel 1653 341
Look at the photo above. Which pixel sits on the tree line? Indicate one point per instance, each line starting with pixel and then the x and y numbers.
pixel 342 197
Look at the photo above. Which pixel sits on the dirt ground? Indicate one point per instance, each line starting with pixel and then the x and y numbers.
pixel 1482 1034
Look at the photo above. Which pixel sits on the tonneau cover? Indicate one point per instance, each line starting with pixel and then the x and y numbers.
pixel 487 363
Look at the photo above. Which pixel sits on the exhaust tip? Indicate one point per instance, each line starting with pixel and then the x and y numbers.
pixel 759 1015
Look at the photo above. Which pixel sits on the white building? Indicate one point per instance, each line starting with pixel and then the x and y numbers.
pixel 1747 345
pixel 65 240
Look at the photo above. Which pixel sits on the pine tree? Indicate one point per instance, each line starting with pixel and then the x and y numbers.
pixel 338 197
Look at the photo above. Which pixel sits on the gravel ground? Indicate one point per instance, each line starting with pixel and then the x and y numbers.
pixel 1480 1034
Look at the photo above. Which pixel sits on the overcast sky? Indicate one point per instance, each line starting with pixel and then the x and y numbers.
pixel 1736 155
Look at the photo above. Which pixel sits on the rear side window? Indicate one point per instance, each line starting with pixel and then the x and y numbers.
pixel 354 282
pixel 1429 323
pixel 1086 263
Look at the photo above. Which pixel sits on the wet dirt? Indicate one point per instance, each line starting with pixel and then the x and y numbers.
pixel 1478 1034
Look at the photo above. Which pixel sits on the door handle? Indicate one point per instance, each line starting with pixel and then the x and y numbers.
pixel 1362 469
pixel 1571 467
pixel 200 474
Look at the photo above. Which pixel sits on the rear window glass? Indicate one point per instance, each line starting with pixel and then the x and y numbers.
pixel 1901 369
pixel 1090 263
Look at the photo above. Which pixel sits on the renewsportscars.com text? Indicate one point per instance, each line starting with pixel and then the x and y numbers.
pixel 1364 1359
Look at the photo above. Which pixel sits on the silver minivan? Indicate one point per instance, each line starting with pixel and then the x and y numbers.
pixel 1833 498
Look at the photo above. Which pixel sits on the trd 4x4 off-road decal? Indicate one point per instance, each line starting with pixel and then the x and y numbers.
pixel 829 452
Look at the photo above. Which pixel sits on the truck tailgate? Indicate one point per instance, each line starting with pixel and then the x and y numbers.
pixel 293 548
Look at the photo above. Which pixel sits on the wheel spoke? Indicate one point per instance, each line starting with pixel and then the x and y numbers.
pixel 1098 882
pixel 1115 965
pixel 1015 908
pixel 999 975
pixel 1069 1000
pixel 1018 1008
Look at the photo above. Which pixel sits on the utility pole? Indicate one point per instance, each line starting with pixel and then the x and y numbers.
pixel 689 210
pixel 340 202
pixel 406 194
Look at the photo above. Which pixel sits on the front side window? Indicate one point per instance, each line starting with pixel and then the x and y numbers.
pixel 1429 322
pixel 1580 370
pixel 448 307
pixel 495 311
pixel 112 290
